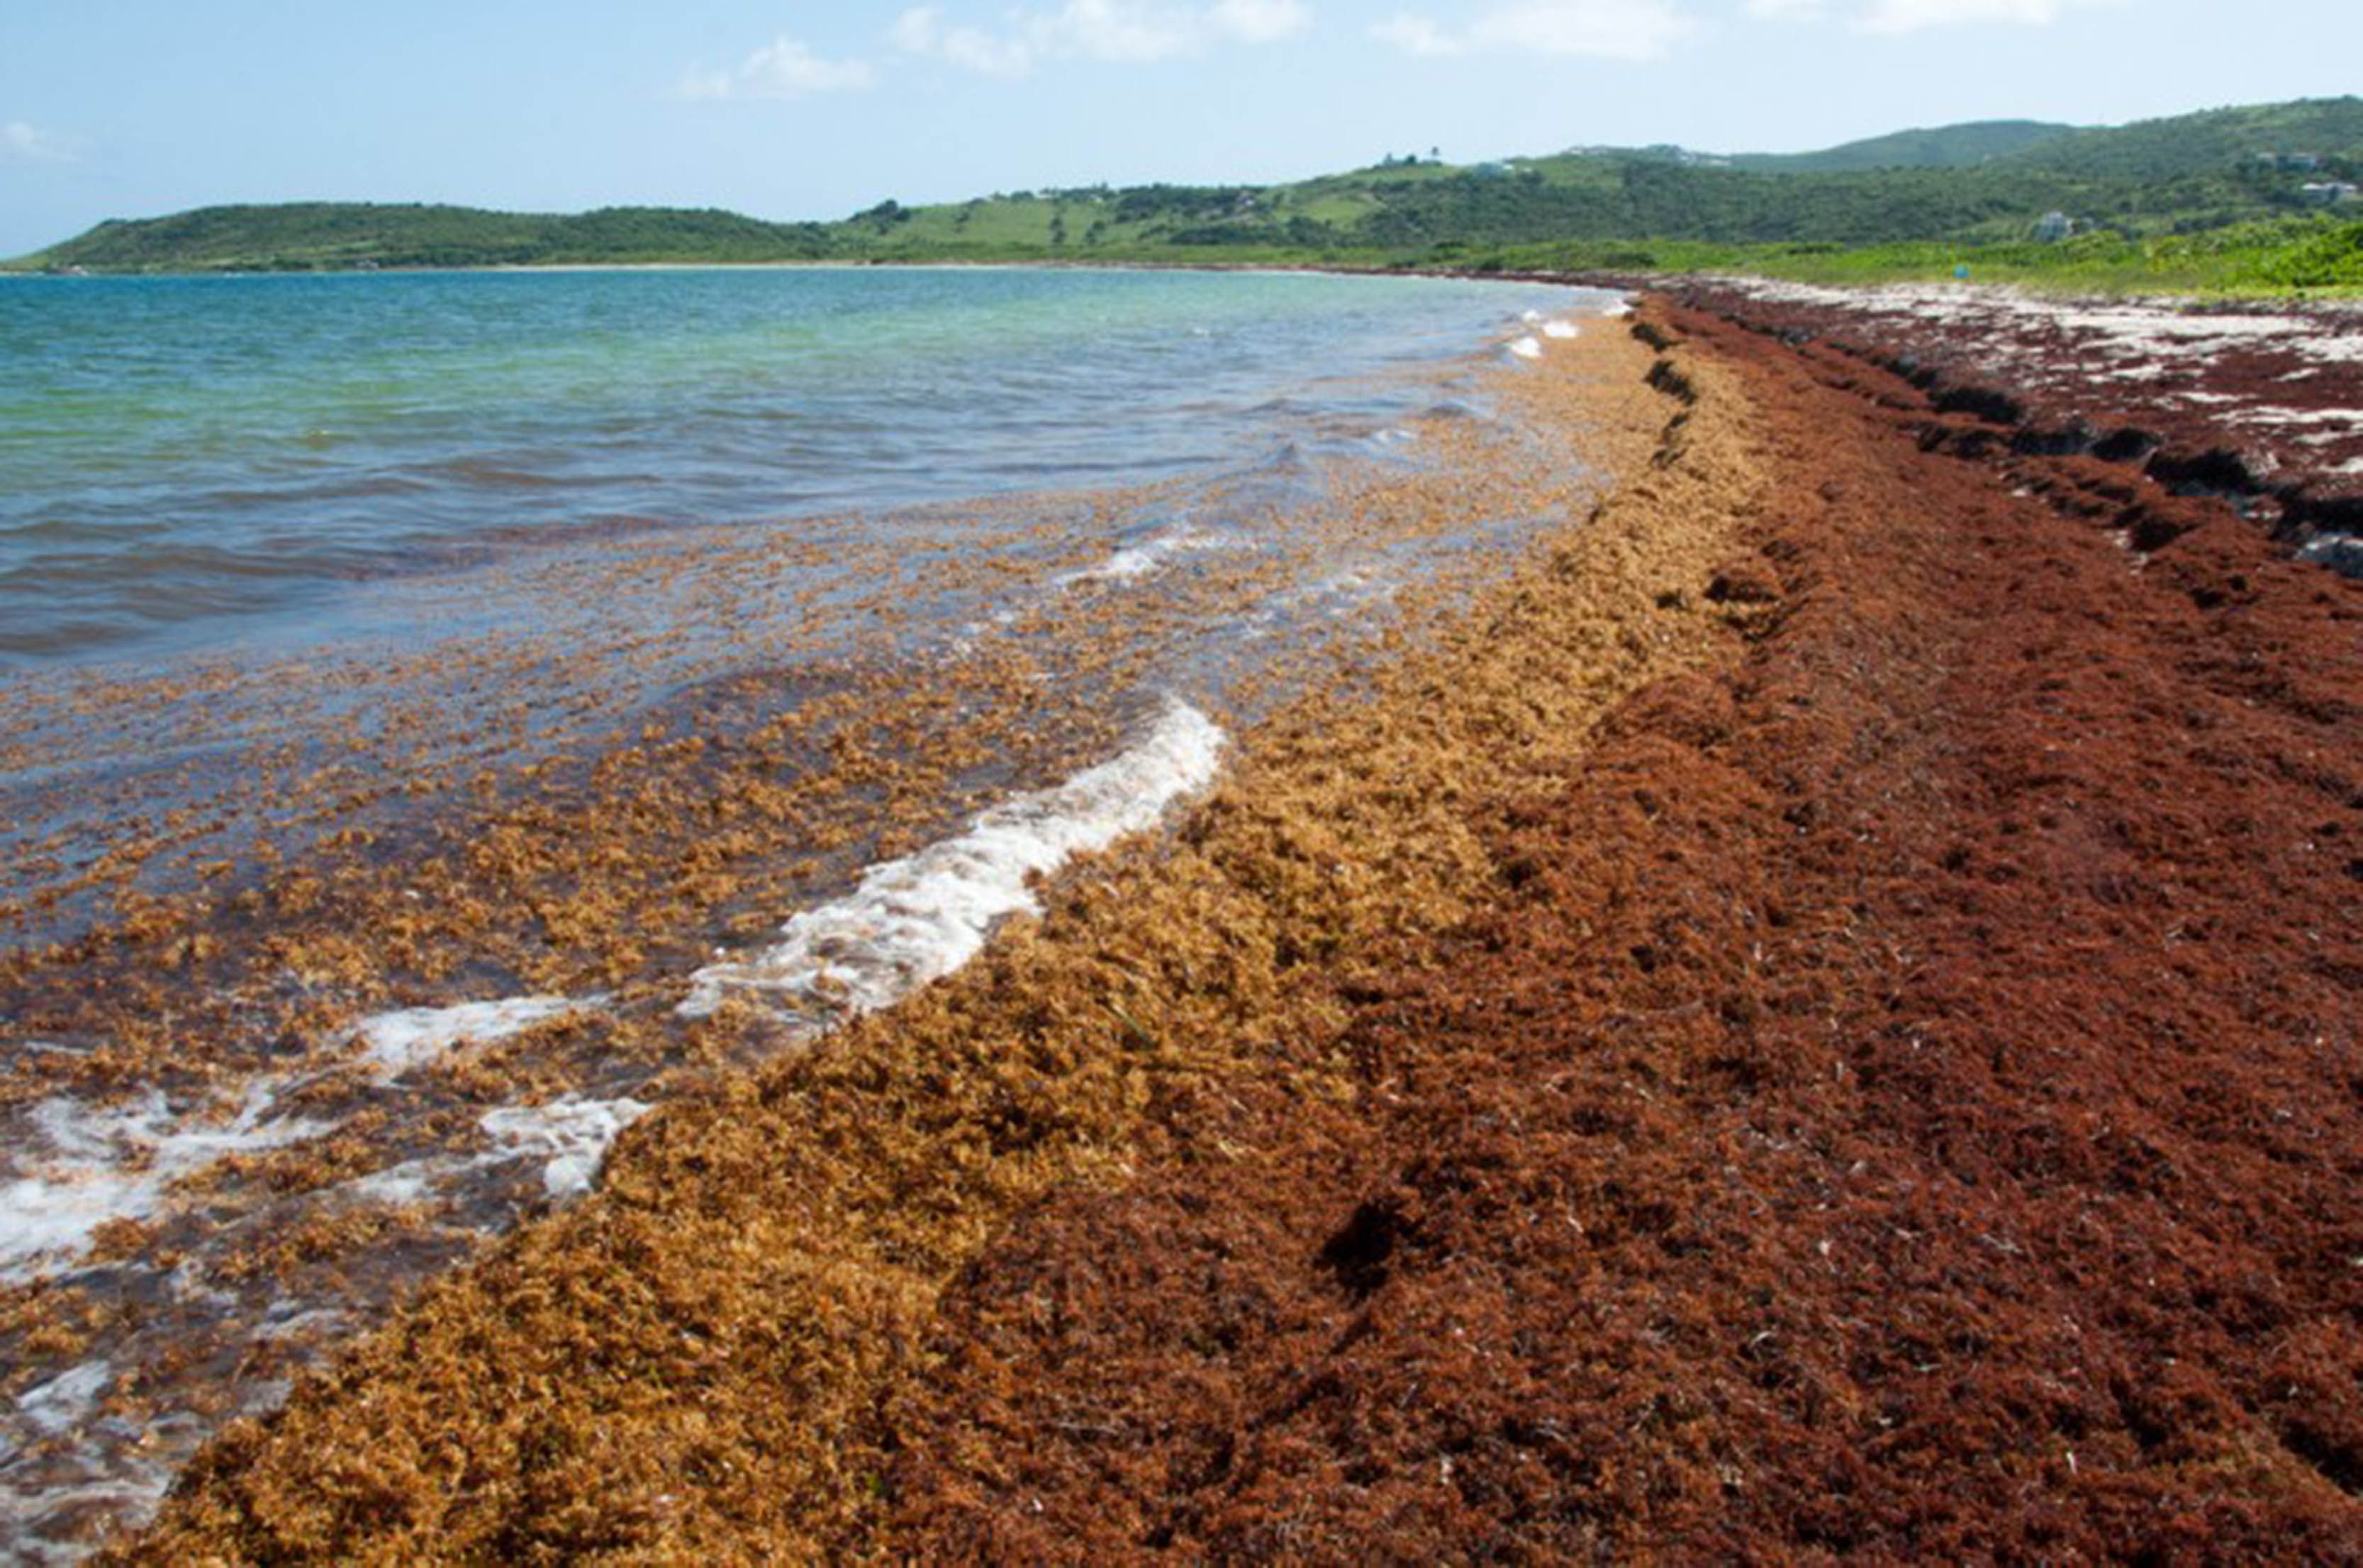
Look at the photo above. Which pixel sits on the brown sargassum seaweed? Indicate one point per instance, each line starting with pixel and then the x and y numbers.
pixel 694 1361
pixel 1820 1019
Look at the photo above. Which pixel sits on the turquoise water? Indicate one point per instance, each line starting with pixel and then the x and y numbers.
pixel 188 462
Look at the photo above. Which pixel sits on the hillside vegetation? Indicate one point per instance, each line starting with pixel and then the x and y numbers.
pixel 323 235
pixel 1946 147
pixel 2141 200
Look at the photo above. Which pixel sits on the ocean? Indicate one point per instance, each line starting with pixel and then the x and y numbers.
pixel 442 716
pixel 187 461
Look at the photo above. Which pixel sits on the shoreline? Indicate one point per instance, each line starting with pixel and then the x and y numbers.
pixel 1747 1047
pixel 365 502
pixel 2333 302
pixel 1883 1117
pixel 866 1224
pixel 403 994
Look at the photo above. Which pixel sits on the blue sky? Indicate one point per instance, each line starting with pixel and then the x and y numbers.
pixel 125 108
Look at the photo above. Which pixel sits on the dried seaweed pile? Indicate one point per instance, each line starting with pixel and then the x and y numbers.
pixel 1904 1107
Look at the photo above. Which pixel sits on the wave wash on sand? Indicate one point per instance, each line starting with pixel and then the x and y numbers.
pixel 921 917
pixel 93 1171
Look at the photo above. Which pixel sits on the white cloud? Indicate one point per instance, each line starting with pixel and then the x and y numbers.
pixel 1261 21
pixel 1788 10
pixel 23 143
pixel 1911 15
pixel 784 68
pixel 1417 35
pixel 1115 30
pixel 922 31
pixel 1127 31
pixel 1609 29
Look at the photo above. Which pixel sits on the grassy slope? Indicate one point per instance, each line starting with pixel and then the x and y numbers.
pixel 1946 147
pixel 2291 255
pixel 2212 138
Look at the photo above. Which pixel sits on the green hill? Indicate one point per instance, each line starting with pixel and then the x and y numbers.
pixel 332 236
pixel 2212 141
pixel 1983 184
pixel 1946 147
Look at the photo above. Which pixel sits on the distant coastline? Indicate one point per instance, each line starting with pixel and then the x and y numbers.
pixel 2221 201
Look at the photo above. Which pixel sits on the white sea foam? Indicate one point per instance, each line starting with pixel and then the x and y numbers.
pixel 292 1319
pixel 573 1133
pixel 399 1187
pixel 1561 329
pixel 908 922
pixel 1527 347
pixel 914 919
pixel 1132 562
pixel 1350 591
pixel 394 1043
pixel 117 1163
pixel 26 1519
pixel 570 1135
pixel 65 1400
pixel 46 1507
pixel 87 1165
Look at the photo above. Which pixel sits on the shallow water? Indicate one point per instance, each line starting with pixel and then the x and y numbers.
pixel 188 460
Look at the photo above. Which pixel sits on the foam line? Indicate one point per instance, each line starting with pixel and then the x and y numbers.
pixel 394 1043
pixel 914 919
pixel 117 1163
pixel 573 1133
pixel 1130 563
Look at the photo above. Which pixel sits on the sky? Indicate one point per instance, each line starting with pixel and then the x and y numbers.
pixel 134 108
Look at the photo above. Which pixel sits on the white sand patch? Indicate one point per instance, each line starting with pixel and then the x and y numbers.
pixel 2131 327
pixel 2334 417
